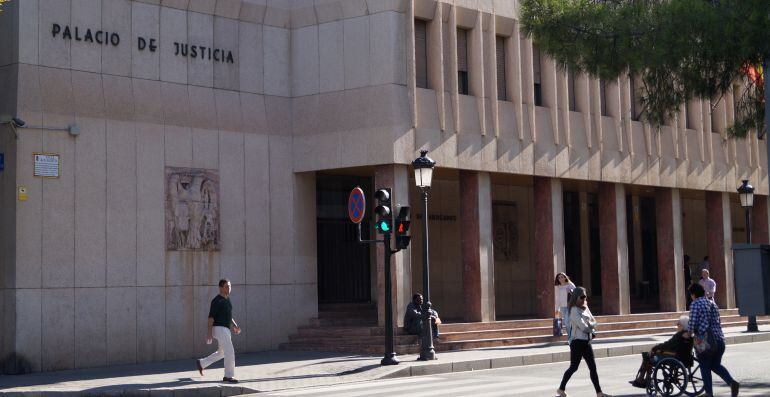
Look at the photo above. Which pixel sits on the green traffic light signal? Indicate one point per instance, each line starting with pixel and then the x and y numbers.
pixel 383 226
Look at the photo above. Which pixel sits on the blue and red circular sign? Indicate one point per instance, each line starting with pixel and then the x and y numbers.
pixel 356 205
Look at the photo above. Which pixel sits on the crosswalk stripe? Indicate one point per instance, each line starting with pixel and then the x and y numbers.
pixel 474 389
pixel 421 382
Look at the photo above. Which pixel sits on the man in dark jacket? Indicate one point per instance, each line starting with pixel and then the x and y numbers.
pixel 413 317
pixel 679 346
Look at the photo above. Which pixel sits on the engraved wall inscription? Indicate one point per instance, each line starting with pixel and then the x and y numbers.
pixel 192 209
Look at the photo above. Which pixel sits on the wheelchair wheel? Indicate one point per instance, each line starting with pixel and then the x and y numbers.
pixel 651 389
pixel 695 385
pixel 670 377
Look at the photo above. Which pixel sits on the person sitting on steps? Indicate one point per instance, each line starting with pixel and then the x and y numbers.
pixel 413 317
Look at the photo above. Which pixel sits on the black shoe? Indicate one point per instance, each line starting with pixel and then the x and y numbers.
pixel 734 389
pixel 636 383
pixel 200 367
pixel 229 380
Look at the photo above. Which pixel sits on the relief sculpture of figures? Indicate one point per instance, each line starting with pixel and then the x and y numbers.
pixel 192 209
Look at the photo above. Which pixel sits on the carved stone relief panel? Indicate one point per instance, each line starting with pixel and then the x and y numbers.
pixel 192 209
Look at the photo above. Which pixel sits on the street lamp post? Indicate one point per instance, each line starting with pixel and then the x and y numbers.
pixel 746 192
pixel 423 175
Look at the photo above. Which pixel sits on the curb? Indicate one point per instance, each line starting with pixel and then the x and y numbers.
pixel 206 391
pixel 545 358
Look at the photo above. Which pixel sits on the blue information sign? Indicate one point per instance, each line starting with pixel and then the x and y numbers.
pixel 2 161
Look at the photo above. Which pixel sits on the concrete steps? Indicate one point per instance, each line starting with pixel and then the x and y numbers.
pixel 347 335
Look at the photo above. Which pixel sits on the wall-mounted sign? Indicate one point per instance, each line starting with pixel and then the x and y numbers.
pixel 105 38
pixel 2 161
pixel 23 193
pixel 46 165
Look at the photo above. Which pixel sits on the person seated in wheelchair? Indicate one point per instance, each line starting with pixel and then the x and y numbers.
pixel 679 347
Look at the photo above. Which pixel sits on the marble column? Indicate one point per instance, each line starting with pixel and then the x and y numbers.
pixel 759 221
pixel 549 241
pixel 613 248
pixel 395 177
pixel 476 246
pixel 718 243
pixel 668 225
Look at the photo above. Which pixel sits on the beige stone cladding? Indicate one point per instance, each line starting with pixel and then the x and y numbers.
pixel 153 85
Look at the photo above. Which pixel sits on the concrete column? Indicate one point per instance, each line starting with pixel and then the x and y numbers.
pixel 668 224
pixel 718 243
pixel 759 221
pixel 549 240
pixel 476 246
pixel 614 248
pixel 395 177
pixel 585 241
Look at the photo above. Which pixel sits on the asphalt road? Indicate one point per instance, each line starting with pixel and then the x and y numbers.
pixel 748 363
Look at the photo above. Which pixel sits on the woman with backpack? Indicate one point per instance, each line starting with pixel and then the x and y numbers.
pixel 583 326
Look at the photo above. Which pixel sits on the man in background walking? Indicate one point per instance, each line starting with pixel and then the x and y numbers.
pixel 219 323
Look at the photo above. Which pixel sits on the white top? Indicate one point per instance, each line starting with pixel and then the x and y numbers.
pixel 582 322
pixel 709 285
pixel 561 294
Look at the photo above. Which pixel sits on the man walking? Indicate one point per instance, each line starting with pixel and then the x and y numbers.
pixel 220 320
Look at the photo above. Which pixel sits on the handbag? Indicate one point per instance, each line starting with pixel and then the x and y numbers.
pixel 705 344
pixel 557 326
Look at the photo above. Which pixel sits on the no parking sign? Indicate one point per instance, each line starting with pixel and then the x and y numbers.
pixel 356 205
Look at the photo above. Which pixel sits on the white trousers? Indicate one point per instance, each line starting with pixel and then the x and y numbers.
pixel 225 350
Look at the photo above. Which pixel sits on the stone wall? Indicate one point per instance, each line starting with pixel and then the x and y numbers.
pixel 91 282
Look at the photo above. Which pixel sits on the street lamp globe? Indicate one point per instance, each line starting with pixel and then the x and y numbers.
pixel 746 192
pixel 423 170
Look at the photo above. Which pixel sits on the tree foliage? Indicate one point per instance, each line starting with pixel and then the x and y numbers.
pixel 679 48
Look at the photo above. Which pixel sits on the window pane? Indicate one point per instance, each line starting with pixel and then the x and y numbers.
pixel 536 75
pixel 462 61
pixel 603 97
pixel 636 97
pixel 421 52
pixel 501 82
pixel 571 91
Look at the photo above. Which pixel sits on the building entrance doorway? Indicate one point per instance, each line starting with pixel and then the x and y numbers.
pixel 642 253
pixel 344 271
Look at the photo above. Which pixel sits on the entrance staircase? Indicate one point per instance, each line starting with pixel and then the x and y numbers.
pixel 353 329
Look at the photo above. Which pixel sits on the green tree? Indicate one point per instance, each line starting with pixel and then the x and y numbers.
pixel 680 48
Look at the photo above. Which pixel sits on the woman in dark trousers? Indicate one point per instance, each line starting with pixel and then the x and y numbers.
pixel 704 319
pixel 583 330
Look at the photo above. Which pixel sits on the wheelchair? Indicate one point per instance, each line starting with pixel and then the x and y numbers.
pixel 671 378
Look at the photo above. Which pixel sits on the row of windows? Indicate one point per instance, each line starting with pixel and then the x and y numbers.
pixel 421 53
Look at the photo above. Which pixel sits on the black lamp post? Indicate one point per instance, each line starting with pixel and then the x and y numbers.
pixel 423 175
pixel 746 192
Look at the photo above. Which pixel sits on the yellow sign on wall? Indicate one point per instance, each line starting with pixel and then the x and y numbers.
pixel 23 193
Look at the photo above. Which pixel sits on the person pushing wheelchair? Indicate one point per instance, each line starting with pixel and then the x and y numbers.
pixel 679 346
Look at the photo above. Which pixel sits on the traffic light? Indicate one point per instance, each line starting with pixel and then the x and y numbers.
pixel 384 222
pixel 402 228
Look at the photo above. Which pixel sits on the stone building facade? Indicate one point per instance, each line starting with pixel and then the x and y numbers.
pixel 218 138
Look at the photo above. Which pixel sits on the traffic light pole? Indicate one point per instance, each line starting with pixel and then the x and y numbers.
pixel 390 345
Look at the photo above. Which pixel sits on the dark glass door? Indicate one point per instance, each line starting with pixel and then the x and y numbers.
pixel 344 274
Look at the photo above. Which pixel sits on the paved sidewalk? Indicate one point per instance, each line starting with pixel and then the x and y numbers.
pixel 278 370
